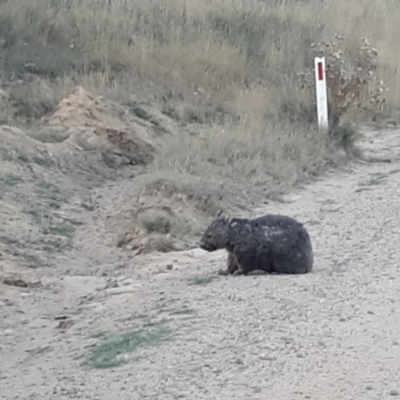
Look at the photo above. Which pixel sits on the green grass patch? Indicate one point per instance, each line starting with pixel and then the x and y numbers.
pixel 376 179
pixel 66 229
pixel 44 162
pixel 314 222
pixel 37 216
pixel 60 230
pixel 114 350
pixel 49 191
pixel 23 158
pixel 11 180
pixel 201 280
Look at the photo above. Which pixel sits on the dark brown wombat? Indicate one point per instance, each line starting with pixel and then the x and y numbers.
pixel 271 243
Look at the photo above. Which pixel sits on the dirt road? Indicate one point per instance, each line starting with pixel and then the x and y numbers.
pixel 101 325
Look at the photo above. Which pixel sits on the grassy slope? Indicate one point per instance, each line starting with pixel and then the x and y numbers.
pixel 236 68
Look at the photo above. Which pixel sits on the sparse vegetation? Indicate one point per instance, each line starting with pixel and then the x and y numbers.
pixel 60 229
pixel 49 193
pixel 11 180
pixel 376 179
pixel 202 280
pixel 157 224
pixel 115 350
pixel 49 224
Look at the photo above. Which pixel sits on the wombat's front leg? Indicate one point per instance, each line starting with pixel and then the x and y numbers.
pixel 232 264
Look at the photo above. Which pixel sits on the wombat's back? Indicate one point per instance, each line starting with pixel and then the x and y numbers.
pixel 291 250
pixel 281 221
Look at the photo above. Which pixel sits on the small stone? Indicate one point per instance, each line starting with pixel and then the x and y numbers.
pixel 14 282
pixel 35 284
pixel 169 267
pixel 369 387
pixel 265 357
pixel 217 370
pixel 61 317
pixel 111 285
pixel 65 324
pixel 394 393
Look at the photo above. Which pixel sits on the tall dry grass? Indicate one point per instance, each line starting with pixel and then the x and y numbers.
pixel 237 64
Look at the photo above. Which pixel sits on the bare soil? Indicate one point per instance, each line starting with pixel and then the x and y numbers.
pixel 91 320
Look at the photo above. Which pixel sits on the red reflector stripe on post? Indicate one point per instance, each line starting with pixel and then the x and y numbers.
pixel 320 72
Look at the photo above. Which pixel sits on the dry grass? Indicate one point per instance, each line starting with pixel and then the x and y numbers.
pixel 217 58
pixel 235 64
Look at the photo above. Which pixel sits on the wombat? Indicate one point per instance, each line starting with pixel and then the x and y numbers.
pixel 271 243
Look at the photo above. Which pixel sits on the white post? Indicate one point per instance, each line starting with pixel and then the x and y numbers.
pixel 321 92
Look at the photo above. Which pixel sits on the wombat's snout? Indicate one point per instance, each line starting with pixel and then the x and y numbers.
pixel 206 246
pixel 202 245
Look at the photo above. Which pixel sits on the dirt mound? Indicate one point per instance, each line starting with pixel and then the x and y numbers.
pixel 94 123
pixel 81 108
pixel 117 146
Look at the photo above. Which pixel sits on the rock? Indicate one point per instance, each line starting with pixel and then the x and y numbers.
pixel 65 324
pixel 111 285
pixel 35 284
pixel 15 282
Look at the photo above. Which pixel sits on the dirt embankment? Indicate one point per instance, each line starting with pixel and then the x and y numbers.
pixel 53 176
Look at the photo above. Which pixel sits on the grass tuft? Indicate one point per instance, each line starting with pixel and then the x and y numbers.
pixel 202 280
pixel 115 350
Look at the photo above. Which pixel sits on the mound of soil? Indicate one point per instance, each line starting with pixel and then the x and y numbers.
pixel 94 123
pixel 81 109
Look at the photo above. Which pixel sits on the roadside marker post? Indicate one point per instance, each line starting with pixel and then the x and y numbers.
pixel 321 92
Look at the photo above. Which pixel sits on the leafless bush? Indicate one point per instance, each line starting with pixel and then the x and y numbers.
pixel 352 82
